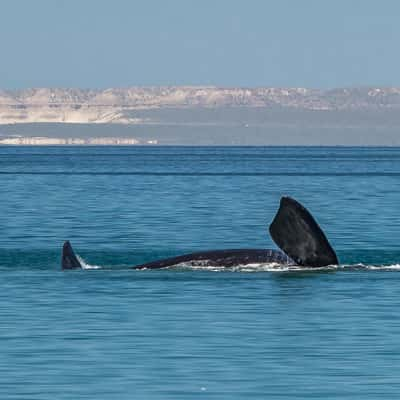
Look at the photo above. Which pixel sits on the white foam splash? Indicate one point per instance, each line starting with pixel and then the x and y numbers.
pixel 276 267
pixel 254 267
pixel 204 265
pixel 393 267
pixel 85 265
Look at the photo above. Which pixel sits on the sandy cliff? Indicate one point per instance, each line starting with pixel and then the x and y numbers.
pixel 119 105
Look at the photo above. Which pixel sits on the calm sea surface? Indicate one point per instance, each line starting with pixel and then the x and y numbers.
pixel 251 333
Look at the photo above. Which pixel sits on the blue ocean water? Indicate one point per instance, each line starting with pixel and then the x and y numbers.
pixel 251 333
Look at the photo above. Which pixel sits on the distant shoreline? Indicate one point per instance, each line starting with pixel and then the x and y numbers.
pixel 76 141
pixel 242 127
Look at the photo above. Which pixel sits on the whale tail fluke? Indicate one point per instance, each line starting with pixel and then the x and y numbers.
pixel 297 233
pixel 69 260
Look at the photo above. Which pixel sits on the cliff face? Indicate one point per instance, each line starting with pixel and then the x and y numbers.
pixel 118 105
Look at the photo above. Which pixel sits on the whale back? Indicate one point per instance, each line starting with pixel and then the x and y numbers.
pixel 297 233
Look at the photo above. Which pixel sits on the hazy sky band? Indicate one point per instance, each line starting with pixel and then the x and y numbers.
pixel 285 43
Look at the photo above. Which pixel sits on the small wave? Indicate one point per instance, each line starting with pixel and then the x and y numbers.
pixel 85 265
pixel 254 267
pixel 276 267
pixel 369 267
pixel 205 265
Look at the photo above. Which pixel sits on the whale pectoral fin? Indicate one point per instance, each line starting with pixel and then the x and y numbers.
pixel 69 260
pixel 297 233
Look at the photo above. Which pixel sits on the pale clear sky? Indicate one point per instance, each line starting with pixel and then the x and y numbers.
pixel 115 43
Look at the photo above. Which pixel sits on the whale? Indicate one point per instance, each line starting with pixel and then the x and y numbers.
pixel 294 230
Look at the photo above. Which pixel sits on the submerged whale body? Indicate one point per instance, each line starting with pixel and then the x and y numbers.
pixel 293 229
pixel 222 258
